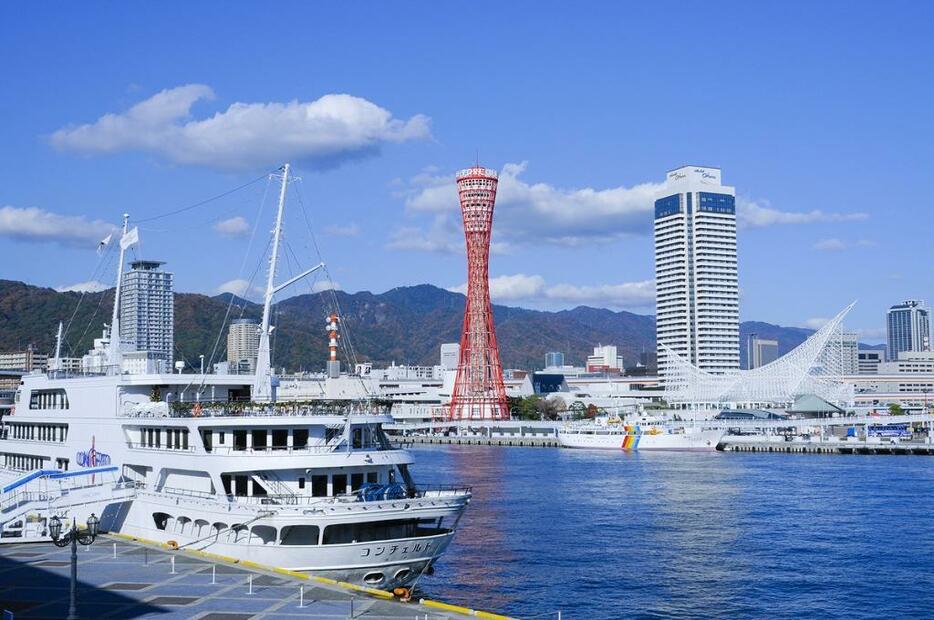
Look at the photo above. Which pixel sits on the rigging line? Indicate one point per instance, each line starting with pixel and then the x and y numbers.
pixel 249 247
pixel 104 258
pixel 314 240
pixel 204 202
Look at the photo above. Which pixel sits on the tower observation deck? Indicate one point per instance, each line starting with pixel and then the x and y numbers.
pixel 478 387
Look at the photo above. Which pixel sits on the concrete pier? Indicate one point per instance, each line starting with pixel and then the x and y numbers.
pixel 525 441
pixel 803 446
pixel 124 578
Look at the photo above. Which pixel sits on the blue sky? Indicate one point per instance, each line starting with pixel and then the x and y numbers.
pixel 818 114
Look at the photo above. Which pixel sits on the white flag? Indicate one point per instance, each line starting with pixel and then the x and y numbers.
pixel 104 243
pixel 129 238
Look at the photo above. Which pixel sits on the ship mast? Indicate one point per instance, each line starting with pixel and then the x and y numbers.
pixel 113 355
pixel 263 380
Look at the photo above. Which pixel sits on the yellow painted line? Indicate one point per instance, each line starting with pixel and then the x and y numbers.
pixel 490 616
pixel 447 607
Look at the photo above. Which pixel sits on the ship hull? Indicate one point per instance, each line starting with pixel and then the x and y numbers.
pixel 699 441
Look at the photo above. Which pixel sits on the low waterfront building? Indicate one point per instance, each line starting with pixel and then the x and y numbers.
pixel 27 360
pixel 605 359
pixel 868 361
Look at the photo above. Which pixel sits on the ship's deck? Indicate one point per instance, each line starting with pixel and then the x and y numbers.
pixel 125 579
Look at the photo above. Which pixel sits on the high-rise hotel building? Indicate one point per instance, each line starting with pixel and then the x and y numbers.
pixel 147 311
pixel 908 327
pixel 697 290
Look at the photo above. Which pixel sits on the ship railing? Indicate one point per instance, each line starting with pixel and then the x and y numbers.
pixel 209 409
pixel 310 449
pixel 348 499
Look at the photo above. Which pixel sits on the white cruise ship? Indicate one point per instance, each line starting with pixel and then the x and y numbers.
pixel 213 462
pixel 610 433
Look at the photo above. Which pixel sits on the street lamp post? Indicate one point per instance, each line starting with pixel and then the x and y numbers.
pixel 73 536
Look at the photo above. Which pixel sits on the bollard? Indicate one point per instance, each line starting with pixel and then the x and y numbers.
pixel 145 556
pixel 301 596
pixel 115 551
pixel 559 614
pixel 351 608
pixel 251 584
pixel 213 574
pixel 173 565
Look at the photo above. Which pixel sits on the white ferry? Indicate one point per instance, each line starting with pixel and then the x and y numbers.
pixel 213 462
pixel 610 433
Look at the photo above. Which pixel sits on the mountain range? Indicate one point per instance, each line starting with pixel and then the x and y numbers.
pixel 404 325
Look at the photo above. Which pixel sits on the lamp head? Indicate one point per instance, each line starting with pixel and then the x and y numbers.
pixel 93 524
pixel 55 527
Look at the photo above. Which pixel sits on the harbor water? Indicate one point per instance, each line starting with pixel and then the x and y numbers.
pixel 684 535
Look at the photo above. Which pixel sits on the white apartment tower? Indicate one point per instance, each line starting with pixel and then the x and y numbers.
pixel 147 311
pixel 243 345
pixel 697 298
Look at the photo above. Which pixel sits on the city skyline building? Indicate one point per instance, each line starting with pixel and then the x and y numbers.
pixel 908 328
pixel 760 351
pixel 147 311
pixel 554 359
pixel 697 288
pixel 605 358
pixel 242 345
pixel 479 392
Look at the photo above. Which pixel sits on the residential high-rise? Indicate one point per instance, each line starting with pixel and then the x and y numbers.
pixel 909 328
pixel 147 311
pixel 554 359
pixel 760 351
pixel 242 345
pixel 697 289
pixel 28 360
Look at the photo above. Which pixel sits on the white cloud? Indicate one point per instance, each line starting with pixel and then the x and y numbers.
pixel 350 230
pixel 541 212
pixel 325 285
pixel 751 214
pixel 533 288
pixel 236 226
pixel 240 288
pixel 322 133
pixel 91 286
pixel 40 226
pixel 836 245
pixel 830 245
pixel 815 323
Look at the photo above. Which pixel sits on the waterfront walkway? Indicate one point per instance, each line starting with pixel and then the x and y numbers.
pixel 125 579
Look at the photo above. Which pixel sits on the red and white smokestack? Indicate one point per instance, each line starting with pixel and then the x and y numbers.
pixel 334 366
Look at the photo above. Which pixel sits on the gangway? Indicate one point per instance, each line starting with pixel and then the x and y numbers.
pixel 27 503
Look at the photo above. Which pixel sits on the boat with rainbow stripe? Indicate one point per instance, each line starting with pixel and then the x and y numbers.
pixel 609 433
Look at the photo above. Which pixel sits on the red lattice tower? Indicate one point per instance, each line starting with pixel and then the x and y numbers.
pixel 478 389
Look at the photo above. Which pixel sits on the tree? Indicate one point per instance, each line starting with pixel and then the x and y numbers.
pixel 578 410
pixel 896 409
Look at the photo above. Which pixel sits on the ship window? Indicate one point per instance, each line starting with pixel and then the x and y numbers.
pixel 343 533
pixel 160 519
pixel 340 484
pixel 300 535
pixel 225 480
pixel 48 399
pixel 358 438
pixel 240 485
pixel 319 486
pixel 259 440
pixel 221 438
pixel 262 535
pixel 185 439
pixel 206 438
pixel 239 440
pixel 356 481
pixel 301 483
pixel 300 437
pixel 372 477
pixel 280 439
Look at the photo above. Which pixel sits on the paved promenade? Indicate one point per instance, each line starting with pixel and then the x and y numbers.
pixel 122 579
